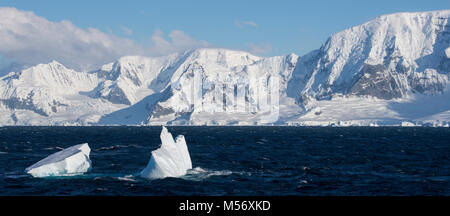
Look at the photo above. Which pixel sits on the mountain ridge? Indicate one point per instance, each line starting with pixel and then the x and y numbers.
pixel 370 68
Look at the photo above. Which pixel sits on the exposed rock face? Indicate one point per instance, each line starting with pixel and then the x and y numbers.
pixel 390 57
pixel 377 82
pixel 384 58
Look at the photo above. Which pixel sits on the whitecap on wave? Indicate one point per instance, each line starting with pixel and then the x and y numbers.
pixel 198 174
pixel 127 178
pixel 110 147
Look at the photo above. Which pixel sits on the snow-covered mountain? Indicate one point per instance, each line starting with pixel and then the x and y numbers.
pixel 392 70
pixel 386 58
pixel 166 95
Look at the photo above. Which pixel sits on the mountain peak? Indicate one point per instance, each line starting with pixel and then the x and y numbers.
pixel 436 13
pixel 361 68
pixel 396 49
pixel 55 63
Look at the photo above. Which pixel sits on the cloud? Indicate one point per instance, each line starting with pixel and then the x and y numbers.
pixel 126 30
pixel 242 24
pixel 259 49
pixel 28 39
pixel 178 42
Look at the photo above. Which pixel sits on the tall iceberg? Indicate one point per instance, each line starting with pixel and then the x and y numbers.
pixel 70 161
pixel 172 159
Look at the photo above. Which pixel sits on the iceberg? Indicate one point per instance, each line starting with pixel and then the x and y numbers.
pixel 172 159
pixel 67 162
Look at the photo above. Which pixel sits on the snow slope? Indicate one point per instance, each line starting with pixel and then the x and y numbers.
pixel 389 70
pixel 387 58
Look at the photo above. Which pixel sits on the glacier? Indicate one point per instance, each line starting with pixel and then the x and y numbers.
pixel 171 159
pixel 382 70
pixel 67 162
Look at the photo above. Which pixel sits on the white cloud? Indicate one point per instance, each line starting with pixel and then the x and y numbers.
pixel 126 30
pixel 178 42
pixel 28 39
pixel 259 49
pixel 242 24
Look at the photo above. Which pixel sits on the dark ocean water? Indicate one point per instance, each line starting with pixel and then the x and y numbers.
pixel 237 161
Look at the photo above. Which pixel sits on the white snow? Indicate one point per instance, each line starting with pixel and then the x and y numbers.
pixel 407 124
pixel 411 42
pixel 172 159
pixel 70 161
pixel 137 90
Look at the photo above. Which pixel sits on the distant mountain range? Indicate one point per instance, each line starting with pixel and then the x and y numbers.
pixel 393 70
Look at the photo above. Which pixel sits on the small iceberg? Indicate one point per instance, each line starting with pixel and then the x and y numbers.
pixel 172 159
pixel 67 162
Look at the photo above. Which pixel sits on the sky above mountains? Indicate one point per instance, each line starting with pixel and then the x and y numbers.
pixel 85 34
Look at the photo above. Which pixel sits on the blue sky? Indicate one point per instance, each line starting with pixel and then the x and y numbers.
pixel 266 27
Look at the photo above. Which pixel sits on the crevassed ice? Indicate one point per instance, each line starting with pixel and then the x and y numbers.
pixel 70 161
pixel 172 159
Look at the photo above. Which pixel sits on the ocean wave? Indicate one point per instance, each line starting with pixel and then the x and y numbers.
pixel 110 147
pixel 15 175
pixel 198 174
pixel 54 148
pixel 127 178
